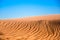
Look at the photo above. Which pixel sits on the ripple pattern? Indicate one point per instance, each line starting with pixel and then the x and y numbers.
pixel 30 30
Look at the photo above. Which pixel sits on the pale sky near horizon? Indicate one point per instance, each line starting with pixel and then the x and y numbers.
pixel 23 8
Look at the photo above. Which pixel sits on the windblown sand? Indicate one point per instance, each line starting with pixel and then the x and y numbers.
pixel 31 28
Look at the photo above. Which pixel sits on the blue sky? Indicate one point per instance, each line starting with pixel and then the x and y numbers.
pixel 24 8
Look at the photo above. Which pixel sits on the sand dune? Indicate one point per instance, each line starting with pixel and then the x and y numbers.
pixel 31 28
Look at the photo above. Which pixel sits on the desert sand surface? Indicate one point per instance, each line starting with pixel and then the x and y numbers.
pixel 31 28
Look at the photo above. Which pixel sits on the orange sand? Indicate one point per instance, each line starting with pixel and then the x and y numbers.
pixel 31 28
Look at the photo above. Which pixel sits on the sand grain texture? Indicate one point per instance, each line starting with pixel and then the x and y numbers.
pixel 31 28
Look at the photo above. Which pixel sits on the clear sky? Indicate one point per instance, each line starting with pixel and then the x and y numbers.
pixel 23 8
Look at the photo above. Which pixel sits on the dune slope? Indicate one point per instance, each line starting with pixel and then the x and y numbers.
pixel 31 28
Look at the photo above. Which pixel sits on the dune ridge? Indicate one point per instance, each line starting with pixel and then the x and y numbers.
pixel 33 28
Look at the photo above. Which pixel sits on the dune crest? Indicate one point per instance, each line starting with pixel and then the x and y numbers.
pixel 32 28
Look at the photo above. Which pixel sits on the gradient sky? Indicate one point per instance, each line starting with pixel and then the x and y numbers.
pixel 23 8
